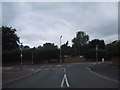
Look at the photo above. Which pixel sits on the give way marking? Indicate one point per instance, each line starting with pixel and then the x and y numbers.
pixel 65 80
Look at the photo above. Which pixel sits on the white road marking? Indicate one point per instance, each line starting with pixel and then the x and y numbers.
pixel 33 69
pixel 43 66
pixel 7 68
pixel 65 80
pixel 54 68
pixel 38 70
pixel 58 65
pixel 50 66
pixel 102 76
pixel 93 63
pixel 46 69
pixel 68 65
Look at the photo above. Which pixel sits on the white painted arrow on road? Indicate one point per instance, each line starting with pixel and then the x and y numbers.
pixel 65 80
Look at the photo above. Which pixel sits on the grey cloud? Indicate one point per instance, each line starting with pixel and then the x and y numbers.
pixel 0 14
pixel 38 23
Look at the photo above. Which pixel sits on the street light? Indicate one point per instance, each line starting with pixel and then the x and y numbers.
pixel 21 48
pixel 97 53
pixel 32 58
pixel 60 49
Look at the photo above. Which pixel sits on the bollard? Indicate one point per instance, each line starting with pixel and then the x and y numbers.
pixel 103 60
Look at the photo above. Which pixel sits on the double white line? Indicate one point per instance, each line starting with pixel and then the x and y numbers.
pixel 65 80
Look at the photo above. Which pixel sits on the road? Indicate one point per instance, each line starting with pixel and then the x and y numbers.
pixel 62 76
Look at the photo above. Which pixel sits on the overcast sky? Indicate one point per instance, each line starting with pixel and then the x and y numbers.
pixel 39 22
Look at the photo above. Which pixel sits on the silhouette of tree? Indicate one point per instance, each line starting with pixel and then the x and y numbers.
pixel 79 41
pixel 26 47
pixel 100 43
pixel 49 45
pixel 65 49
pixel 10 39
pixel 113 48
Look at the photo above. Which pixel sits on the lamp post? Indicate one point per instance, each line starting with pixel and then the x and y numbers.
pixel 21 48
pixel 32 58
pixel 97 53
pixel 60 50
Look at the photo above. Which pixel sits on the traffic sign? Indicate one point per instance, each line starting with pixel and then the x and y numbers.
pixel 21 47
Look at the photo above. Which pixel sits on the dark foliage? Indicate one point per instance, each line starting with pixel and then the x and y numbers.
pixel 49 51
pixel 100 43
pixel 10 39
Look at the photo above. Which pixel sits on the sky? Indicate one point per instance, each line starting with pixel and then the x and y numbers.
pixel 40 22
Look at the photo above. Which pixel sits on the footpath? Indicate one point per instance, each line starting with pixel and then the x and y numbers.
pixel 10 74
pixel 106 69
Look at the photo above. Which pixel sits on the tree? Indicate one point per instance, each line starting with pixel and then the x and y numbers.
pixel 39 47
pixel 100 43
pixel 113 48
pixel 26 47
pixel 79 41
pixel 10 39
pixel 49 45
pixel 48 52
pixel 65 49
pixel 90 49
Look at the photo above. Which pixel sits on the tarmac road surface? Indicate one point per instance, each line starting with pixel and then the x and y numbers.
pixel 62 76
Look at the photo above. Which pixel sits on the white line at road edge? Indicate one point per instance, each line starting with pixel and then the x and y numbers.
pixel 102 75
pixel 19 78
pixel 47 69
pixel 58 65
pixel 65 80
pixel 43 66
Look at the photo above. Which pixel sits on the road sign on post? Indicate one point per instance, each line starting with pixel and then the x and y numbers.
pixel 21 47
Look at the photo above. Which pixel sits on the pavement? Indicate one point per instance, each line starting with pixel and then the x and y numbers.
pixel 60 76
pixel 10 74
pixel 106 69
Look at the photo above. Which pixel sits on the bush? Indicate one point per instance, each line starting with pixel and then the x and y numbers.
pixel 113 49
pixel 38 55
pixel 11 56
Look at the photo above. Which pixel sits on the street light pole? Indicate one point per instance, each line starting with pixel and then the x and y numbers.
pixel 96 53
pixel 60 50
pixel 21 47
pixel 32 58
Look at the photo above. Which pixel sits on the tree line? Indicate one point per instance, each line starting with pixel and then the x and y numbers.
pixel 81 46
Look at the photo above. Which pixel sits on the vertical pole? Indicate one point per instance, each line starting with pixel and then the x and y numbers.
pixel 79 47
pixel 21 62
pixel 21 59
pixel 96 53
pixel 60 50
pixel 32 57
